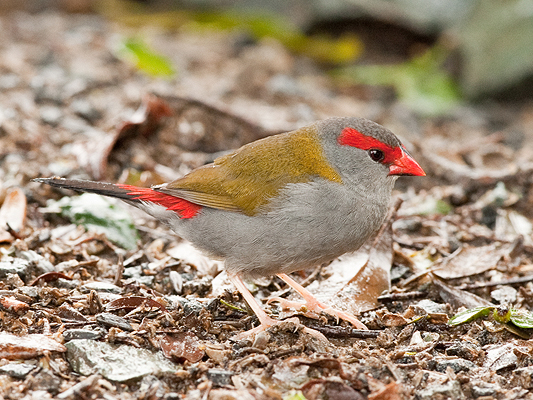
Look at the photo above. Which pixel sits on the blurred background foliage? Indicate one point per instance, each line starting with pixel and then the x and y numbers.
pixel 433 54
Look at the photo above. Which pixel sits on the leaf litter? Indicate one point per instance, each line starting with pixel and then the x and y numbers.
pixel 12 215
pixel 108 313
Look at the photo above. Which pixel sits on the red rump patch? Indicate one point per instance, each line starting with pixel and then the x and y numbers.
pixel 184 208
pixel 352 137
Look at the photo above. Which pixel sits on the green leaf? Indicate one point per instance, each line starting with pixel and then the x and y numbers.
pixel 420 83
pixel 470 315
pixel 502 314
pixel 98 214
pixel 258 24
pixel 145 59
pixel 522 319
pixel 294 395
pixel 343 49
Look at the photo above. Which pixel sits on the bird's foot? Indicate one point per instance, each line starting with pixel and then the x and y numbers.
pixel 317 307
pixel 292 324
pixel 266 323
pixel 339 314
pixel 287 304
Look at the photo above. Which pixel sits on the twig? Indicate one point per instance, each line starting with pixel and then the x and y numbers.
pixel 514 281
pixel 401 296
pixel 341 332
pixel 80 388
pixel 285 352
pixel 12 232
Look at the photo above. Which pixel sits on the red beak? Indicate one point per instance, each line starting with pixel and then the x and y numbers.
pixel 406 165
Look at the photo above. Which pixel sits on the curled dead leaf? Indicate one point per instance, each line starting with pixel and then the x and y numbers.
pixel 12 215
pixel 131 303
pixel 93 154
pixel 391 320
pixel 147 117
pixel 50 276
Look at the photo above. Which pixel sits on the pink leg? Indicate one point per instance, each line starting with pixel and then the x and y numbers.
pixel 312 303
pixel 265 321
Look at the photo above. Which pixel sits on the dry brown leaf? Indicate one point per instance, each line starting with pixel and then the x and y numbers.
pixel 132 302
pixel 500 356
pixel 329 389
pixel 203 127
pixel 390 320
pixel 470 261
pixel 390 392
pixel 13 305
pixel 12 214
pixel 184 345
pixel 457 297
pixel 14 347
pixel 147 118
pixel 49 277
pixel 94 153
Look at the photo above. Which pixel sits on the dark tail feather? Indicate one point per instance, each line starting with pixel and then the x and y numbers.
pixel 105 189
pixel 132 194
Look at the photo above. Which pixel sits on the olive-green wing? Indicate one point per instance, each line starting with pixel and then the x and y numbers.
pixel 248 178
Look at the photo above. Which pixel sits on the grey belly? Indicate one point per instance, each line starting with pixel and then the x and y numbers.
pixel 287 238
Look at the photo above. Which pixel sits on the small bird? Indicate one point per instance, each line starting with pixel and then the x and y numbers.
pixel 280 204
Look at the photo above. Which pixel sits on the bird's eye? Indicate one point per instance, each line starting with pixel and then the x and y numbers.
pixel 376 155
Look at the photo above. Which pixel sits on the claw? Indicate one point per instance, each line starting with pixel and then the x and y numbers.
pixel 286 304
pixel 263 326
pixel 282 324
pixel 312 304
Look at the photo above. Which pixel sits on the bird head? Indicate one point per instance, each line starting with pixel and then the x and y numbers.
pixel 364 151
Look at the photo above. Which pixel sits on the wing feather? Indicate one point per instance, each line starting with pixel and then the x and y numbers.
pixel 247 179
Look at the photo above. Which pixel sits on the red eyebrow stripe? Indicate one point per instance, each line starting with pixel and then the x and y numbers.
pixel 352 137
